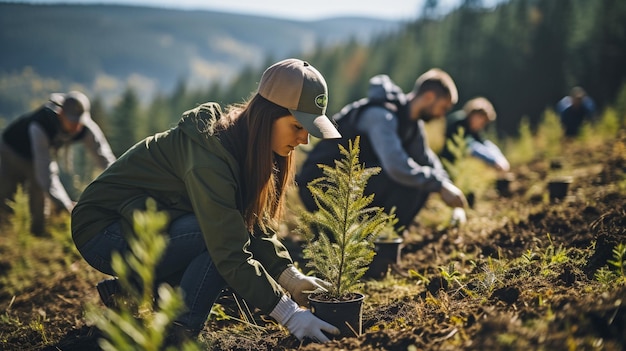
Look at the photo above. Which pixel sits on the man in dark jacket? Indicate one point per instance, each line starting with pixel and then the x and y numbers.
pixel 391 127
pixel 29 146
pixel 575 109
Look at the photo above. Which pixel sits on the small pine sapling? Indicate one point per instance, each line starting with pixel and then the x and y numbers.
pixel 142 324
pixel 341 233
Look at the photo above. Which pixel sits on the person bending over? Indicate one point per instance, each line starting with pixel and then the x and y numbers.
pixel 222 178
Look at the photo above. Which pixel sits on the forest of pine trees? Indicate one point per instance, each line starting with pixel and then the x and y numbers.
pixel 523 55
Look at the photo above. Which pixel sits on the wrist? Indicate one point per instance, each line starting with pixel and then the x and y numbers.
pixel 288 277
pixel 284 310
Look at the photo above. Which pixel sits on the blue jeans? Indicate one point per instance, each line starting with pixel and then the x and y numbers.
pixel 186 262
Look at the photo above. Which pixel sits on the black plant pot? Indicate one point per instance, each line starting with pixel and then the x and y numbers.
pixel 387 254
pixel 346 315
pixel 503 184
pixel 556 163
pixel 471 199
pixel 558 188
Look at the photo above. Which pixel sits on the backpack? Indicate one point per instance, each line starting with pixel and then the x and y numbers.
pixel 382 92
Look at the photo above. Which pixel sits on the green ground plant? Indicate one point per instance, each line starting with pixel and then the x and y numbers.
pixel 493 273
pixel 450 273
pixel 468 173
pixel 19 276
pixel 30 255
pixel 614 273
pixel 141 323
pixel 604 127
pixel 521 150
pixel 619 260
pixel 609 125
pixel 20 220
pixel 552 256
pixel 341 233
pixel 620 105
pixel 549 136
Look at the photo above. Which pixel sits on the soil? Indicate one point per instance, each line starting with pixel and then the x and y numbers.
pixel 519 275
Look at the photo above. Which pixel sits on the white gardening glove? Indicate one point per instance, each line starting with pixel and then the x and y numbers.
pixel 502 164
pixel 452 195
pixel 300 286
pixel 458 217
pixel 301 322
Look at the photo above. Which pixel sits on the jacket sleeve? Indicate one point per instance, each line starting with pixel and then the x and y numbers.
pixel 46 169
pixel 271 253
pixel 98 145
pixel 420 169
pixel 212 192
pixel 486 151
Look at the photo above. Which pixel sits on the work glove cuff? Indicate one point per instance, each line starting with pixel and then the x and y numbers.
pixel 289 278
pixel 284 310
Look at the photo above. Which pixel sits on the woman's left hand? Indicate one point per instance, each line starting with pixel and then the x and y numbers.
pixel 300 286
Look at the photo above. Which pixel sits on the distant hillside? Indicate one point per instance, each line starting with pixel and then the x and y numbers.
pixel 104 47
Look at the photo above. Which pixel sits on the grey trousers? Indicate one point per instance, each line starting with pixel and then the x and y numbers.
pixel 15 170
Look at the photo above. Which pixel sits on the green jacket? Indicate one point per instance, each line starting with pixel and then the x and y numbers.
pixel 187 169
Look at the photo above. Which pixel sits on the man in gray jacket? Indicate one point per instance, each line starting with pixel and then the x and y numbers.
pixel 390 124
pixel 28 150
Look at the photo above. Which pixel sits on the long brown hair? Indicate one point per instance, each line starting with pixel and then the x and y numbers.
pixel 266 175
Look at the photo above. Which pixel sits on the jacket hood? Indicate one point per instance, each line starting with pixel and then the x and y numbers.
pixel 382 88
pixel 200 123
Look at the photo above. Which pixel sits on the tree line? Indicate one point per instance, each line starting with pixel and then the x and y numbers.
pixel 523 55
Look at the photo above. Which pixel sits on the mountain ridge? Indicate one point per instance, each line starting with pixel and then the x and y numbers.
pixel 105 48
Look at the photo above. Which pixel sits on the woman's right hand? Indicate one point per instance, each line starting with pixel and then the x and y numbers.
pixel 304 324
pixel 300 321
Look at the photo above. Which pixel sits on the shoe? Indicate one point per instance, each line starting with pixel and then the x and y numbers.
pixel 109 290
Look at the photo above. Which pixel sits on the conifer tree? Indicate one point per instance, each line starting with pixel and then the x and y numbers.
pixel 458 147
pixel 340 234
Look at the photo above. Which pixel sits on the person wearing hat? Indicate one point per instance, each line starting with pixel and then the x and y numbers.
pixel 390 124
pixel 222 177
pixel 575 109
pixel 476 114
pixel 28 150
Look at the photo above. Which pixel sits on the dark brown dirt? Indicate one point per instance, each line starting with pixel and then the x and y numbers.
pixel 511 289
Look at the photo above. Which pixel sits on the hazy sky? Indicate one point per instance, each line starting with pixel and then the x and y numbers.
pixel 297 10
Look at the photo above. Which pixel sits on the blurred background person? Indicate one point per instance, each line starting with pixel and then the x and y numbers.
pixel 475 116
pixel 29 148
pixel 575 109
pixel 390 124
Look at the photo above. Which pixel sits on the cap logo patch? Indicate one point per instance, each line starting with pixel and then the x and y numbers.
pixel 321 101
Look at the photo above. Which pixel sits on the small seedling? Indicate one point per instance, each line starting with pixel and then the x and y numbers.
pixel 619 259
pixel 139 325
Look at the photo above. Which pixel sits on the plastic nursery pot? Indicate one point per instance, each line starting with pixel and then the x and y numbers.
pixel 471 199
pixel 556 163
pixel 503 184
pixel 558 188
pixel 345 314
pixel 387 254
